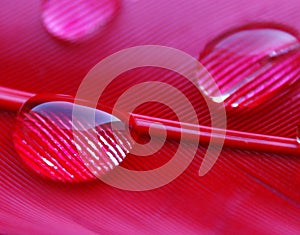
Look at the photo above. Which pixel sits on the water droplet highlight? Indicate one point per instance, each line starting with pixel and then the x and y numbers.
pixel 75 20
pixel 250 64
pixel 60 146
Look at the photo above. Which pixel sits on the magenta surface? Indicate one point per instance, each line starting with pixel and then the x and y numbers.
pixel 245 192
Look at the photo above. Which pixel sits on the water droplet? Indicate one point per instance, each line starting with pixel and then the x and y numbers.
pixel 74 20
pixel 250 64
pixel 67 148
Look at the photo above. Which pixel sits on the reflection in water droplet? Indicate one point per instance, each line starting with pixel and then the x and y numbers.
pixel 250 64
pixel 45 139
pixel 74 20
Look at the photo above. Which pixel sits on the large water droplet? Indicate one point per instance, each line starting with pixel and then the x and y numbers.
pixel 60 146
pixel 74 20
pixel 250 64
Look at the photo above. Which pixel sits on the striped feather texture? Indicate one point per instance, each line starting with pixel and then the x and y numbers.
pixel 244 193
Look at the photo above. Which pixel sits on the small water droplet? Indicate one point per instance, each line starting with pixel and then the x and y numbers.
pixel 74 20
pixel 47 142
pixel 250 64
